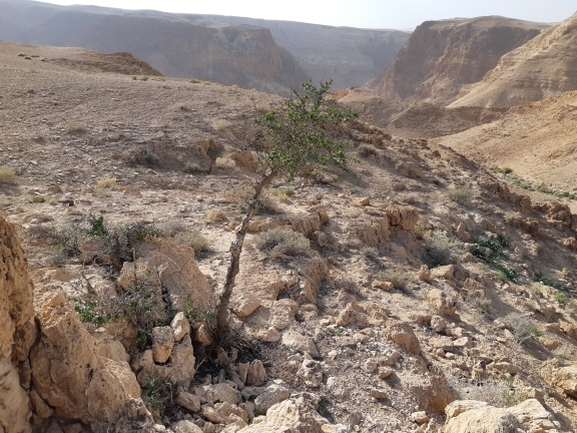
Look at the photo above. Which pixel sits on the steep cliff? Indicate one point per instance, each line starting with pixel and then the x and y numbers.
pixel 349 56
pixel 268 55
pixel 543 67
pixel 442 56
pixel 230 54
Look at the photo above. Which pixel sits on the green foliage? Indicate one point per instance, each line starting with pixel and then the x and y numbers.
pixel 301 134
pixel 562 298
pixel 159 394
pixel 493 251
pixel 278 243
pixel 547 281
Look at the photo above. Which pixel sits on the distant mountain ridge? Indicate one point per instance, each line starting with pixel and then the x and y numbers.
pixel 442 56
pixel 268 55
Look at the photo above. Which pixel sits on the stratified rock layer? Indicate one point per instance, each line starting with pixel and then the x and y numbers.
pixel 442 56
pixel 17 330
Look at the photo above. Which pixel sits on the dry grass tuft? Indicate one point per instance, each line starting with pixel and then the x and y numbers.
pixel 106 182
pixel 6 174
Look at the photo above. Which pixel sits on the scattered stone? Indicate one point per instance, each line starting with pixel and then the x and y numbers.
pixel 403 335
pixel 299 342
pixel 420 417
pixel 385 372
pixel 190 402
pixel 379 394
pixel 311 372
pixel 438 324
pixel 162 343
pixel 186 426
pixel 274 394
pixel 424 274
pixel 441 303
pixel 383 285
pixel 180 326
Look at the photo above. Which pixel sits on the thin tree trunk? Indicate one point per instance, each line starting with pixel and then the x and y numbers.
pixel 234 266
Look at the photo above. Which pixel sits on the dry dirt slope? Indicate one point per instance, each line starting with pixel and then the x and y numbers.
pixel 354 328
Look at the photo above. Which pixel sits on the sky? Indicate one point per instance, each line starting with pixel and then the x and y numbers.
pixel 390 14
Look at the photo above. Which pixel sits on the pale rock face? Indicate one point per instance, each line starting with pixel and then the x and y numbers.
pixel 296 415
pixel 180 325
pixel 162 343
pixel 17 330
pixel 176 269
pixel 443 56
pixel 403 335
pixel 186 426
pixel 466 416
pixel 274 394
pixel 68 373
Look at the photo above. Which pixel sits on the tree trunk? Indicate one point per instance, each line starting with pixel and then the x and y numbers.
pixel 234 266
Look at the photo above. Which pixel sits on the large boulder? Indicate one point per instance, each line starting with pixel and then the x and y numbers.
pixel 468 416
pixel 68 374
pixel 17 330
pixel 172 267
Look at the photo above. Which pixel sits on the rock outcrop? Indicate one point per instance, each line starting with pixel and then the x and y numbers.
pixel 467 416
pixel 541 68
pixel 442 56
pixel 17 330
pixel 69 376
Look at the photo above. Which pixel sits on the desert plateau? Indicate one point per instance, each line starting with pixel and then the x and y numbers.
pixel 414 269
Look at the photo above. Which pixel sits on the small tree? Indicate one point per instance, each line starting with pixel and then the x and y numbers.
pixel 298 137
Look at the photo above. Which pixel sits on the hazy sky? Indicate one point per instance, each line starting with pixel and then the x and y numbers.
pixel 397 14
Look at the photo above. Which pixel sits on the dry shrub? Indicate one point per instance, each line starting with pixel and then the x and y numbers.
pixel 106 182
pixel 6 174
pixel 278 243
pixel 461 195
pixel 400 279
pixel 195 240
pixel 76 128
pixel 215 216
pixel 283 194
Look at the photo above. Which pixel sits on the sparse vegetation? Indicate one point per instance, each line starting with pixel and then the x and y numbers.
pixel 562 298
pixel 296 139
pixel 523 329
pixel 106 182
pixel 461 195
pixel 279 243
pixel 194 81
pixel 283 194
pixel 214 216
pixel 400 279
pixel 6 174
pixel 195 240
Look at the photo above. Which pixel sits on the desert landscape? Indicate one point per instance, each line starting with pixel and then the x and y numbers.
pixel 426 286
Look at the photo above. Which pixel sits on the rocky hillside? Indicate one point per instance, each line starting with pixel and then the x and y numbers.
pixel 441 57
pixel 267 55
pixel 418 291
pixel 543 67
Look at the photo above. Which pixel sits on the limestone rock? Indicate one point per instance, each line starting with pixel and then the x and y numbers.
pixel 253 374
pixel 441 303
pixel 311 373
pixel 112 349
pixel 176 269
pixel 564 378
pixel 244 306
pixel 190 402
pixel 17 329
pixel 403 335
pixel 295 340
pixel 162 343
pixel 180 326
pixel 466 416
pixel 135 418
pixel 296 415
pixel 69 375
pixel 446 272
pixel 186 426
pixel 273 394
